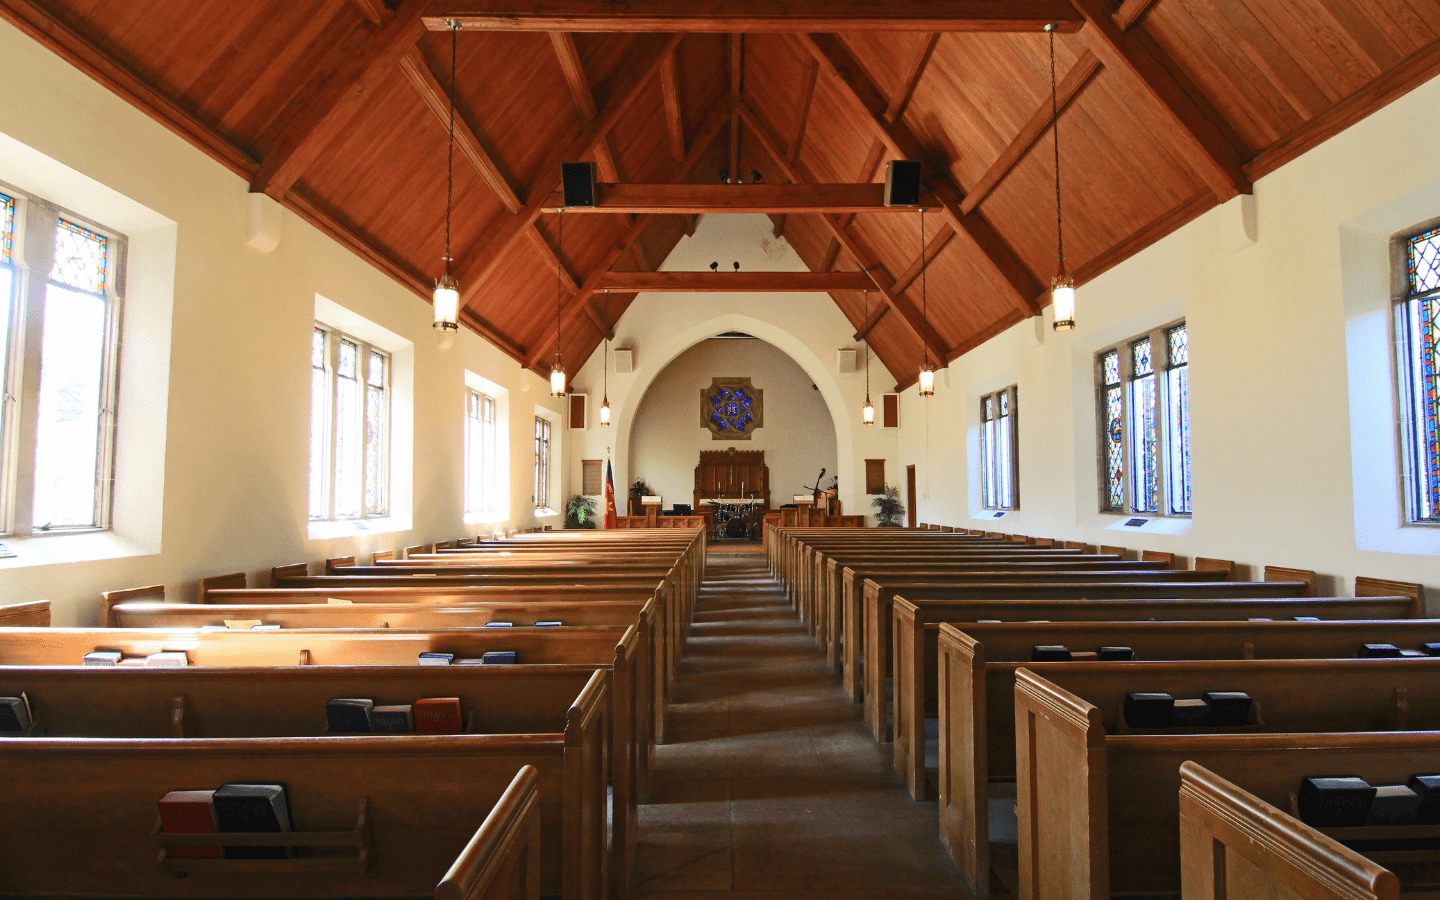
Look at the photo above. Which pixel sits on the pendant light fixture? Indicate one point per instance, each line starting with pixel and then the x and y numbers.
pixel 605 368
pixel 557 371
pixel 867 412
pixel 927 371
pixel 446 298
pixel 1062 286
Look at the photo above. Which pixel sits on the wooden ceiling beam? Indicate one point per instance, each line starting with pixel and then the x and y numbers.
pixel 802 121
pixel 676 199
pixel 901 101
pixel 737 63
pixel 1202 139
pixel 437 98
pixel 346 91
pixel 1131 12
pixel 584 296
pixel 374 11
pixel 731 16
pixel 580 89
pixel 734 282
pixel 552 260
pixel 674 119
pixel 858 251
pixel 483 260
pixel 1084 70
pixel 982 237
pixel 103 66
pixel 907 278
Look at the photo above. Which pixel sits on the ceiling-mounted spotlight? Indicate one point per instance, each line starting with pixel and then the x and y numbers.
pixel 724 176
pixel 737 267
pixel 714 267
pixel 756 177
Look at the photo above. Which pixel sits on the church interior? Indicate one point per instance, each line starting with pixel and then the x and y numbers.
pixel 356 445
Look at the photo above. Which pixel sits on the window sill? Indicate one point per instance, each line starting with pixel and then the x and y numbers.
pixel 545 512
pixel 71 547
pixel 483 518
pixel 1171 525
pixel 343 528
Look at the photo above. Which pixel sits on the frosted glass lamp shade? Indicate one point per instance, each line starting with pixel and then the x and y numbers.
pixel 927 380
pixel 867 412
pixel 557 380
pixel 605 411
pixel 447 304
pixel 1062 300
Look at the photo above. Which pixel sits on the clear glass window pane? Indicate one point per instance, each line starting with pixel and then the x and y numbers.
pixel 377 446
pixel 67 440
pixel 1177 439
pixel 987 458
pixel 1144 446
pixel 348 438
pixel 82 258
pixel 1004 462
pixel 489 461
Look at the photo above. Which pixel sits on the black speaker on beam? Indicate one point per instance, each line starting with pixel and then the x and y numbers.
pixel 902 183
pixel 577 182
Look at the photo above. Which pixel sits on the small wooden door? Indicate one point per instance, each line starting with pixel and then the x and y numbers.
pixel 910 495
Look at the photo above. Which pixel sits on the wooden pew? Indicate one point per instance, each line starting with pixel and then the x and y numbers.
pixel 976 703
pixel 35 614
pixel 618 651
pixel 421 794
pixel 1233 844
pixel 876 637
pixel 502 860
pixel 1097 802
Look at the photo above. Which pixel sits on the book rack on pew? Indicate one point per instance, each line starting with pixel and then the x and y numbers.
pixel 360 838
pixel 1382 855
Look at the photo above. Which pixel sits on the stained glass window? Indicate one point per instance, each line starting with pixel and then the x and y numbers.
pixel 82 258
pixel 1177 419
pixel 987 451
pixel 349 427
pixel 1418 324
pixel 997 450
pixel 1144 412
pixel 7 236
pixel 1423 262
pixel 732 409
pixel 542 463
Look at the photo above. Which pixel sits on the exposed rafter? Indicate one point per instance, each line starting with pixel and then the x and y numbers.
pixel 737 75
pixel 833 55
pixel 672 199
pixel 731 16
pixel 316 121
pixel 1131 12
pixel 674 118
pixel 863 256
pixel 1069 88
pixel 482 261
pixel 732 282
pixel 907 278
pixel 807 96
pixel 1205 141
pixel 701 145
pixel 574 70
pixel 374 11
pixel 901 101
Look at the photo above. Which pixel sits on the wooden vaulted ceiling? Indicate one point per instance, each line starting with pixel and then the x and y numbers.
pixel 337 109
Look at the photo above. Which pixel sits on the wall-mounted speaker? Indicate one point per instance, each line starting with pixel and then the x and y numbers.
pixel 624 361
pixel 902 183
pixel 845 362
pixel 577 182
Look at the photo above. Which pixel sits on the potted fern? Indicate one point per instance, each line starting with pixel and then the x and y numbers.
pixel 580 512
pixel 888 508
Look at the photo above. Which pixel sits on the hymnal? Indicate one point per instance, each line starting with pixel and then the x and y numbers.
pixel 1189 713
pixel 103 658
pixel 437 715
pixel 348 715
pixel 1149 710
pixel 468 661
pixel 1341 802
pixel 428 658
pixel 15 713
pixel 1428 787
pixel 336 600
pixel 392 720
pixel 1307 618
pixel 1049 653
pixel 546 624
pixel 241 624
pixel 1394 804
pixel 1378 651
pixel 1228 708
pixel 1116 654
pixel 1431 649
pixel 498 658
pixel 168 658
pixel 499 624
pixel 253 809
pixel 189 812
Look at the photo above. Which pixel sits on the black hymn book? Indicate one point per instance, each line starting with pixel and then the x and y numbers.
pixel 253 809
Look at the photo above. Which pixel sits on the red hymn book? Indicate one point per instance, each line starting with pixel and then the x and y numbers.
pixel 189 812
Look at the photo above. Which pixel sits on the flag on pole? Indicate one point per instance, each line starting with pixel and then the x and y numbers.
pixel 611 520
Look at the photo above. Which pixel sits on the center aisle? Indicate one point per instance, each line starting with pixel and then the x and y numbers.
pixel 769 784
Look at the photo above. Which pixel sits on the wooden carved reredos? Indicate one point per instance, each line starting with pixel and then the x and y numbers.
pixel 732 474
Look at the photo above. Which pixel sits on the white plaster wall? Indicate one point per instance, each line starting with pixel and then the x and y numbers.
pixel 808 328
pixel 237 435
pixel 1285 336
pixel 798 436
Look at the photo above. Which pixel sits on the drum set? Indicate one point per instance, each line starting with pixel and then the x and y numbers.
pixel 737 520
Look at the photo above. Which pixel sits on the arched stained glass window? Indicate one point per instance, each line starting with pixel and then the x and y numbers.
pixel 1417 325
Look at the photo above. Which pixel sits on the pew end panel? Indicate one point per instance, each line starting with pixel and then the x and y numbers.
pixel 109 599
pixel 34 614
pixel 1382 587
pixel 1233 844
pixel 293 570
pixel 964 760
pixel 502 860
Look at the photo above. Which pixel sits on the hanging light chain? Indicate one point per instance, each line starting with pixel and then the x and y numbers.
pixel 559 281
pixel 867 345
pixel 924 291
pixel 1055 129
pixel 450 148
